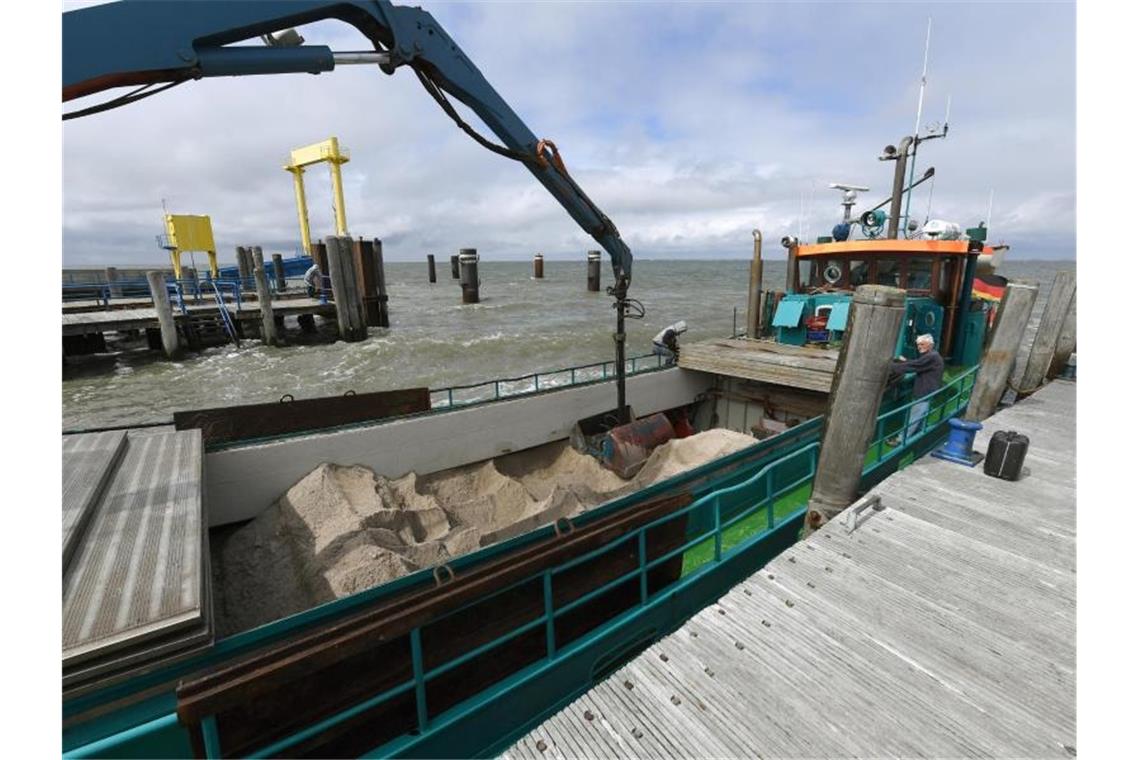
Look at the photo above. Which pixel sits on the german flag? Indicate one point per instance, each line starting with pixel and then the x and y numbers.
pixel 989 287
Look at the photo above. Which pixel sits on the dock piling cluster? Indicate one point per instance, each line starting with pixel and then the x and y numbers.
pixel 1001 352
pixel 1042 354
pixel 346 293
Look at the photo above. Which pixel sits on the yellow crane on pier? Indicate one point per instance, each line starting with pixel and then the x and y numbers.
pixel 325 151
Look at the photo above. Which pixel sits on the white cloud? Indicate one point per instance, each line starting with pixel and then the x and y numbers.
pixel 688 124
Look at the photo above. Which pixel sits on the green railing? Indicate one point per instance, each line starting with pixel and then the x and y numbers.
pixel 895 431
pixel 725 508
pixel 534 382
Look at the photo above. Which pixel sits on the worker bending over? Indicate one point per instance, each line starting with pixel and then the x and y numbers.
pixel 313 281
pixel 665 342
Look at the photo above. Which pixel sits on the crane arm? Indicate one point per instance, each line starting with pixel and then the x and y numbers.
pixel 134 42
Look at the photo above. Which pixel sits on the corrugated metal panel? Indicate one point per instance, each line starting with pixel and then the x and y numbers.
pixel 788 313
pixel 138 572
pixel 837 320
pixel 88 463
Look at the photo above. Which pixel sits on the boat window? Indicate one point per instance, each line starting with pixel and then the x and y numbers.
pixel 888 273
pixel 918 273
pixel 860 273
pixel 805 272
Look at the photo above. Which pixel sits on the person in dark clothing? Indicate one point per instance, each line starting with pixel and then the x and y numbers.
pixel 927 367
pixel 665 342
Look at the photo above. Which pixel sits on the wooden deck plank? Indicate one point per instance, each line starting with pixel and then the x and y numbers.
pixel 89 461
pixel 112 320
pixel 765 361
pixel 943 625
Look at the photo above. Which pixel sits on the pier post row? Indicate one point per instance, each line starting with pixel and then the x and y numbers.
pixel 755 286
pixel 469 274
pixel 997 363
pixel 856 392
pixel 593 271
pixel 279 271
pixel 1048 332
pixel 455 267
pixel 431 267
pixel 264 298
pixel 157 283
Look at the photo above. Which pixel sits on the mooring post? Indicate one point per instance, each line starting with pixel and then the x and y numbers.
pixel 856 393
pixel 755 275
pixel 593 271
pixel 111 275
pixel 166 326
pixel 279 272
pixel 431 267
pixel 469 274
pixel 245 271
pixel 1048 331
pixel 1001 349
pixel 538 262
pixel 1066 341
pixel 455 267
pixel 264 298
pixel 341 274
pixel 381 284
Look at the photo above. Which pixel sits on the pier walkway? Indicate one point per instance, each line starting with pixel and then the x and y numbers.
pixel 112 320
pixel 943 624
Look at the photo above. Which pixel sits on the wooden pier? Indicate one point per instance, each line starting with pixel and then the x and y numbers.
pixel 941 624
pixel 114 320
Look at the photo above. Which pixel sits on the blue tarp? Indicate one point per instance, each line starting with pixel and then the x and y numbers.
pixel 788 313
pixel 837 320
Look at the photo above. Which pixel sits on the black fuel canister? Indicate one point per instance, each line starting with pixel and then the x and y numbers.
pixel 1006 455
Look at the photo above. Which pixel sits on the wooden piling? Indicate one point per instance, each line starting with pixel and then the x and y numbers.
pixel 368 279
pixel 279 272
pixel 455 267
pixel 343 287
pixel 1066 341
pixel 264 298
pixel 593 271
pixel 538 266
pixel 755 287
pixel 431 267
pixel 1001 349
pixel 856 392
pixel 1048 331
pixel 245 270
pixel 166 326
pixel 469 274
pixel 382 285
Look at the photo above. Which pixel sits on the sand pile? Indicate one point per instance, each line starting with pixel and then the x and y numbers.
pixel 341 530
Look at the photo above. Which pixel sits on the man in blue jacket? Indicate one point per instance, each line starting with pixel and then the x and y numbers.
pixel 927 367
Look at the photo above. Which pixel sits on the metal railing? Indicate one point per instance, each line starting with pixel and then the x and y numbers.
pixel 534 382
pixel 749 497
pixel 106 293
pixel 895 430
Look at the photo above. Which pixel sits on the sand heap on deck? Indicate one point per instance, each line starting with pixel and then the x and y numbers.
pixel 341 530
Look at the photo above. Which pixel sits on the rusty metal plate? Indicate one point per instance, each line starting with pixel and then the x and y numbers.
pixel 229 424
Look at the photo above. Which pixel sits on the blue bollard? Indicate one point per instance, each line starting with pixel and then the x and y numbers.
pixel 960 446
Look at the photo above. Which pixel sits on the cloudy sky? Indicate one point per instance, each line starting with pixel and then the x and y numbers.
pixel 689 124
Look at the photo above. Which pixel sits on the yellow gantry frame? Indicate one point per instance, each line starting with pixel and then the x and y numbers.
pixel 186 232
pixel 327 151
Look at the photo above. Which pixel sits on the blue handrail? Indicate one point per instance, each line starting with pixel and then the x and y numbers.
pixel 227 322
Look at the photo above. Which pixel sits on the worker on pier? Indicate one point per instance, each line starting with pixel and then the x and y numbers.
pixel 313 281
pixel 665 342
pixel 927 367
